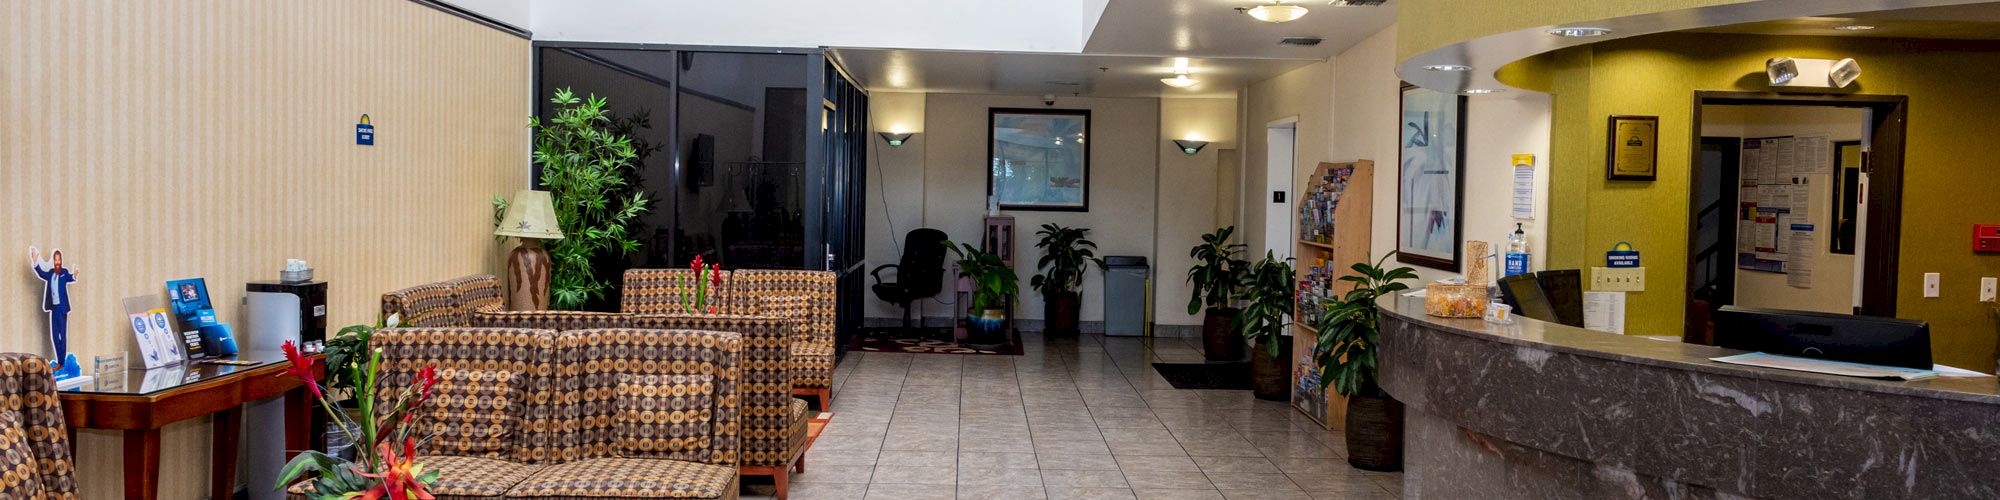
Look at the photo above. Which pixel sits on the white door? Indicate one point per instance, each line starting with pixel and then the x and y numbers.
pixel 1282 135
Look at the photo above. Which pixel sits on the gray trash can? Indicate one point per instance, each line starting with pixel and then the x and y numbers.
pixel 1126 287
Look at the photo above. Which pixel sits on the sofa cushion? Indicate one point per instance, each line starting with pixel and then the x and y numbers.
pixel 475 477
pixel 629 478
pixel 480 292
pixel 471 412
pixel 665 416
pixel 18 475
pixel 789 306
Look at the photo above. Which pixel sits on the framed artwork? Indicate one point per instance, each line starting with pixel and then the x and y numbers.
pixel 1430 179
pixel 1633 153
pixel 1038 159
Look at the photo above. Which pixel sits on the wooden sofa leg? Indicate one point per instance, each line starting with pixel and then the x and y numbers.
pixel 799 466
pixel 822 398
pixel 782 480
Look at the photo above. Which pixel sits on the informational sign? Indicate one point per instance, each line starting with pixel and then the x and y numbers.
pixel 364 132
pixel 1524 186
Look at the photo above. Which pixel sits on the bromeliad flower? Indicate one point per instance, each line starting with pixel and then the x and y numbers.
pixel 401 477
pixel 301 367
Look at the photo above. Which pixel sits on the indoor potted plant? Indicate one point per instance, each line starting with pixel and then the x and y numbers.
pixel 587 160
pixel 1067 254
pixel 993 284
pixel 386 463
pixel 1267 299
pixel 1216 276
pixel 1349 329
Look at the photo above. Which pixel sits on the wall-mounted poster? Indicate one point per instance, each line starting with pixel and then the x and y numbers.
pixel 1431 180
pixel 1039 159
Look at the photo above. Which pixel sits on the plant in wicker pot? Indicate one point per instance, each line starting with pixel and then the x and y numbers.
pixel 1067 255
pixel 1267 299
pixel 1216 276
pixel 993 284
pixel 1349 329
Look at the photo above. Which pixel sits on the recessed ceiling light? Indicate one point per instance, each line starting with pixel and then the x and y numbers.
pixel 1448 67
pixel 1180 80
pixel 1482 91
pixel 1854 27
pixel 1580 32
pixel 1276 12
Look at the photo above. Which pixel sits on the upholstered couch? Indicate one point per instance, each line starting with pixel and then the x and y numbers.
pixel 809 296
pixel 596 413
pixel 773 422
pixel 445 303
pixel 34 441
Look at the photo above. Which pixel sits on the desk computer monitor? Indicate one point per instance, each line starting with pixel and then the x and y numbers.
pixel 1524 294
pixel 1838 337
pixel 1564 288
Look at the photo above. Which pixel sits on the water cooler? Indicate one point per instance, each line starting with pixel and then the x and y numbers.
pixel 274 312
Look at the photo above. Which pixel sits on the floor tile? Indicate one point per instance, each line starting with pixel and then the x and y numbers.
pixel 1160 494
pixel 908 474
pixel 997 460
pixel 1001 491
pixel 1084 478
pixel 1166 479
pixel 1061 461
pixel 1248 481
pixel 1258 465
pixel 919 458
pixel 828 491
pixel 1170 463
pixel 1016 477
pixel 1067 493
pixel 885 491
pixel 830 473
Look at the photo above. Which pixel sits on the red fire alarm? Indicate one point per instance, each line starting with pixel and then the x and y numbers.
pixel 1986 237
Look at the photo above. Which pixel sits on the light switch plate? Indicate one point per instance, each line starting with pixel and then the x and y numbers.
pixel 1930 285
pixel 1988 286
pixel 1618 279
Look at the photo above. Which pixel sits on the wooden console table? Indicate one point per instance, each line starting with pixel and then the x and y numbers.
pixel 151 399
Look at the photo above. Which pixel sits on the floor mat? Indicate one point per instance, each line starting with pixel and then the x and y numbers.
pixel 1228 375
pixel 896 340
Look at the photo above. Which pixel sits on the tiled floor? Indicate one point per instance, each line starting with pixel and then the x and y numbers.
pixel 1073 418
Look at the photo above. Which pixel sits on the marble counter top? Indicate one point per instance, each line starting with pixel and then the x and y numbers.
pixel 1543 410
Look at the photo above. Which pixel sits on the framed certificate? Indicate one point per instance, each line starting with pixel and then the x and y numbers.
pixel 1633 151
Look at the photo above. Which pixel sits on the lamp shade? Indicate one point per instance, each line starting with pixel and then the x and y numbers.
pixel 1190 146
pixel 532 214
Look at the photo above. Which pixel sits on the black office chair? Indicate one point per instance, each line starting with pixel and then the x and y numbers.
pixel 920 273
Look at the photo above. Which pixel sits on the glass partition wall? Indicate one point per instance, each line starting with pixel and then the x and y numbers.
pixel 752 157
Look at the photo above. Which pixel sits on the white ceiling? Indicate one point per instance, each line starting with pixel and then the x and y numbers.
pixel 1955 22
pixel 1061 74
pixel 1214 29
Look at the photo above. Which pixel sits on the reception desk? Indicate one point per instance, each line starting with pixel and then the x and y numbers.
pixel 1541 410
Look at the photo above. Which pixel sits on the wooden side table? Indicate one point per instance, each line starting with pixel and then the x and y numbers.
pixel 151 399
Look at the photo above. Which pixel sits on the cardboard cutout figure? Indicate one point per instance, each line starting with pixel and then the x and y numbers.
pixel 55 301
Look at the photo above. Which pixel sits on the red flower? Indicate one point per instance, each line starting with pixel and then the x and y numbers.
pixel 716 277
pixel 398 479
pixel 697 265
pixel 427 378
pixel 302 367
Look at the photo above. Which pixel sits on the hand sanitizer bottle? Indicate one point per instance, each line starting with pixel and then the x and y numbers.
pixel 1517 252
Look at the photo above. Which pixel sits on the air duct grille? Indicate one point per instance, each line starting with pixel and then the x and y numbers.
pixel 1301 41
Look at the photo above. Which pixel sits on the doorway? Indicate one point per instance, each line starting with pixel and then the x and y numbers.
pixel 1283 137
pixel 1776 216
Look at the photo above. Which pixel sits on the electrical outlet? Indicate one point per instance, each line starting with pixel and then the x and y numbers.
pixel 1930 285
pixel 1618 279
pixel 1988 286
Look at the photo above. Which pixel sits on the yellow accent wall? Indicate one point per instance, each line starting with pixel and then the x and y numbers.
pixel 1429 24
pixel 171 139
pixel 1949 180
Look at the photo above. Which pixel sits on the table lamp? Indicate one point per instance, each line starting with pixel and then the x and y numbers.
pixel 532 218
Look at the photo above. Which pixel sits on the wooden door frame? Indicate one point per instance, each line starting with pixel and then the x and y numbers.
pixel 1883 164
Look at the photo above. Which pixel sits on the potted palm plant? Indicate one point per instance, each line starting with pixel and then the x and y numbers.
pixel 1067 254
pixel 1349 331
pixel 1216 276
pixel 1268 289
pixel 993 284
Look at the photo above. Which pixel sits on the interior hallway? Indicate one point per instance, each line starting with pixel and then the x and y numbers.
pixel 1072 418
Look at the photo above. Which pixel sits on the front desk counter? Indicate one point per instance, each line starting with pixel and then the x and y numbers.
pixel 1542 410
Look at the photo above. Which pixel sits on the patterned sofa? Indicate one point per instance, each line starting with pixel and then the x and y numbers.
pixel 34 441
pixel 773 422
pixel 446 303
pixel 809 296
pixel 598 413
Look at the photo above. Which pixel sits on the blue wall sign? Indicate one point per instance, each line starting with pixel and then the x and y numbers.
pixel 364 132
pixel 1621 255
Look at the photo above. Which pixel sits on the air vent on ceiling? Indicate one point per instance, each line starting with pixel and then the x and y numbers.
pixel 1357 3
pixel 1301 41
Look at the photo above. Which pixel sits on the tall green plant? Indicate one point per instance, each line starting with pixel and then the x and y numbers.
pixel 1350 327
pixel 1268 289
pixel 586 164
pixel 1068 254
pixel 1218 272
pixel 992 281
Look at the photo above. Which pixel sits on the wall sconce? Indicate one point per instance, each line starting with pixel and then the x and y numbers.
pixel 895 139
pixel 1190 147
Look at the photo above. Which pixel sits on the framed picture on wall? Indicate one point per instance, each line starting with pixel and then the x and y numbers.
pixel 1634 150
pixel 1430 179
pixel 1038 159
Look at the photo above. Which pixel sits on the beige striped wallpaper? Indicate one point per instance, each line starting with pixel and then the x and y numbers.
pixel 162 139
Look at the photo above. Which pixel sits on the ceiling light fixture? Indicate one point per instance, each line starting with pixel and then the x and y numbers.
pixel 1180 80
pixel 1447 67
pixel 1580 32
pixel 1276 12
pixel 1854 27
pixel 1482 91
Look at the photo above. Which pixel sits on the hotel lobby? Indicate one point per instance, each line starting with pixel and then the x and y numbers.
pixel 1035 249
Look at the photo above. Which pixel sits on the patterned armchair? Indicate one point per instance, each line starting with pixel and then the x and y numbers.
pixel 480 293
pixel 426 305
pixel 31 414
pixel 773 422
pixel 809 296
pixel 644 414
pixel 486 411
pixel 561 321
pixel 660 291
